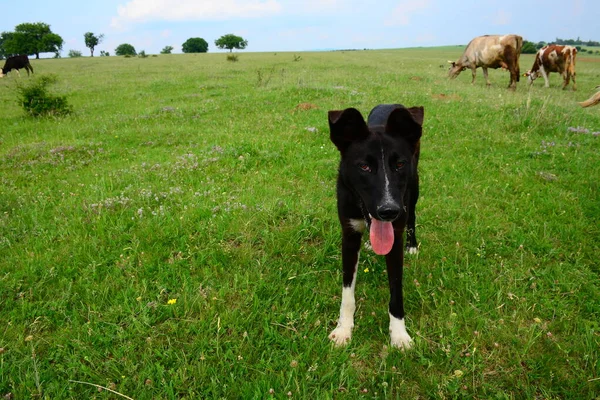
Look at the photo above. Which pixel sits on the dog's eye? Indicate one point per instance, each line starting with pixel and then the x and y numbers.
pixel 364 167
pixel 400 164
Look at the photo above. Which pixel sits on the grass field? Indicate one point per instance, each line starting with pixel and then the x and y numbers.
pixel 177 236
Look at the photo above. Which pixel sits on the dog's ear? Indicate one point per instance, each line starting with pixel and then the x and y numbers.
pixel 406 122
pixel 346 126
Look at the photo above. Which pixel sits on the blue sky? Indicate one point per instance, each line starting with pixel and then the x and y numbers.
pixel 303 25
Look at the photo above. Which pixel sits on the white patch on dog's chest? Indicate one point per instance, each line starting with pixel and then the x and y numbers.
pixel 359 225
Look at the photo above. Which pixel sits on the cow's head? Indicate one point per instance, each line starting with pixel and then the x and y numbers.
pixel 531 76
pixel 455 69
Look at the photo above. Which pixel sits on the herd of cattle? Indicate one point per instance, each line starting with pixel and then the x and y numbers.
pixel 503 51
pixel 488 51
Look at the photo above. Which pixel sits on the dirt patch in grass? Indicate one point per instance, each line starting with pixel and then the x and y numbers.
pixel 306 107
pixel 588 59
pixel 442 96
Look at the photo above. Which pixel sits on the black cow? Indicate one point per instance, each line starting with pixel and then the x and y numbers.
pixel 16 63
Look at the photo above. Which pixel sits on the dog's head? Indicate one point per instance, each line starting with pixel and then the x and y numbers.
pixel 378 162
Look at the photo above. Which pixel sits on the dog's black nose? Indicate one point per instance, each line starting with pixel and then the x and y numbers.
pixel 388 212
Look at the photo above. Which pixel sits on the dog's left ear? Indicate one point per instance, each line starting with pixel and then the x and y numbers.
pixel 406 122
pixel 346 126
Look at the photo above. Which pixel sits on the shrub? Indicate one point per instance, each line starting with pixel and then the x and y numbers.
pixel 74 53
pixel 104 53
pixel 232 57
pixel 142 54
pixel 37 102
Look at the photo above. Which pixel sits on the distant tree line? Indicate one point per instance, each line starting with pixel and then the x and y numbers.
pixel 192 45
pixel 532 48
pixel 577 42
pixel 35 38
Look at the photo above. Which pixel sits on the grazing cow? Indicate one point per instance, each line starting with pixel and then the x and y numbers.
pixel 554 58
pixel 592 101
pixel 490 51
pixel 16 63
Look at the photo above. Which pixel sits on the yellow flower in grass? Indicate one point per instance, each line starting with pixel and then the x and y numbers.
pixel 172 301
pixel 366 270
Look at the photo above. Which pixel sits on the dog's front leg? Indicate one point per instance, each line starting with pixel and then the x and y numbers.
pixel 350 253
pixel 394 260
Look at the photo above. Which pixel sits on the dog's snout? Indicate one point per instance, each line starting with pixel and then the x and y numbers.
pixel 388 212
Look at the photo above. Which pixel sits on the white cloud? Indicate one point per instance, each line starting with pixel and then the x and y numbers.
pixel 404 10
pixel 190 10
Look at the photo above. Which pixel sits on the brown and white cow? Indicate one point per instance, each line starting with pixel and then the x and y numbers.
pixel 16 63
pixel 490 51
pixel 554 58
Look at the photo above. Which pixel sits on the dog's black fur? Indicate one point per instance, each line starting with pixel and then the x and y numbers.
pixel 377 179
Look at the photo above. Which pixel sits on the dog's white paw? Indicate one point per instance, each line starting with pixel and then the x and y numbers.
pixel 412 250
pixel 402 341
pixel 398 335
pixel 341 335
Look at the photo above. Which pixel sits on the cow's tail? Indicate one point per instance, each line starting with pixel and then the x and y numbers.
pixel 518 47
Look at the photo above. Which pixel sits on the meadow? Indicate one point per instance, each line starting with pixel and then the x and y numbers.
pixel 176 237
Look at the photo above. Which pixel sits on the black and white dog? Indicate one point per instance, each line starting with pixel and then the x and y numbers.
pixel 377 188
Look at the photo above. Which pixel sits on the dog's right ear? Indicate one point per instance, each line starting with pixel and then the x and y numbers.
pixel 346 126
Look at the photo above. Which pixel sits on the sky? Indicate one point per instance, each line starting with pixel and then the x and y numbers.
pixel 302 25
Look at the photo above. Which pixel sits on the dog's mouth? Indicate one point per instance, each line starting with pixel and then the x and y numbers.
pixel 381 235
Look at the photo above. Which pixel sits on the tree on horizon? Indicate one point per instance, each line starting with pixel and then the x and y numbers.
pixel 91 41
pixel 195 45
pixel 31 39
pixel 230 42
pixel 125 49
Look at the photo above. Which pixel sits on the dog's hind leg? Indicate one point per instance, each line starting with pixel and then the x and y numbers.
pixel 351 240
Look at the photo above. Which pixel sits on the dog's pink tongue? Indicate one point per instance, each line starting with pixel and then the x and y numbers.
pixel 382 236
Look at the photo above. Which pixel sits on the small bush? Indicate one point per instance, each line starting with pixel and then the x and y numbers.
pixel 142 54
pixel 74 53
pixel 104 53
pixel 37 102
pixel 232 57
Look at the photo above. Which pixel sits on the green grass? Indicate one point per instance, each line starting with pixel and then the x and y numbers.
pixel 212 183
